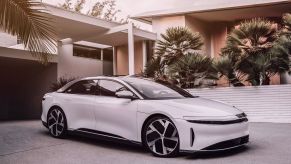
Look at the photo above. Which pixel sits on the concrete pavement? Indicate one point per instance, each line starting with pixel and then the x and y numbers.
pixel 29 142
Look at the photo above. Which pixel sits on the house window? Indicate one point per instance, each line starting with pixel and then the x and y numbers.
pixel 87 52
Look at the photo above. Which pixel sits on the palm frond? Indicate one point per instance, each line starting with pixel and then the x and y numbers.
pixel 176 42
pixel 256 50
pixel 192 70
pixel 225 66
pixel 252 36
pixel 154 68
pixel 31 22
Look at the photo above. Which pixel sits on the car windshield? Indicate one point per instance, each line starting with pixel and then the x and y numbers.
pixel 150 89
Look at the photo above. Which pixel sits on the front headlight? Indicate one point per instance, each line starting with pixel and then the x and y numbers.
pixel 210 118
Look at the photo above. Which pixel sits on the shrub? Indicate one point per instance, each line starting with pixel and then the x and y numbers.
pixel 60 83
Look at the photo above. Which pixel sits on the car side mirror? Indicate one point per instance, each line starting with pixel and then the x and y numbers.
pixel 125 95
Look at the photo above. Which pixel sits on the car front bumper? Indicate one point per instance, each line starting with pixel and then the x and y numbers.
pixel 211 137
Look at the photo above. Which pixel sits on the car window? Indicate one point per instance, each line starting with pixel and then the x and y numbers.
pixel 87 87
pixel 150 89
pixel 109 88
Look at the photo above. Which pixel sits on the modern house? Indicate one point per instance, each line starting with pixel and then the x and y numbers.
pixel 214 19
pixel 87 46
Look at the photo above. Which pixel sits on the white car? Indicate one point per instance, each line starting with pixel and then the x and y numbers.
pixel 163 118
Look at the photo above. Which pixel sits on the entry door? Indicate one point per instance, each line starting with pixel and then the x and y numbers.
pixel 79 104
pixel 114 115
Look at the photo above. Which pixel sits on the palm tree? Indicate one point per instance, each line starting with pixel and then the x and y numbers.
pixel 192 69
pixel 225 67
pixel 176 42
pixel 154 68
pixel 255 51
pixel 285 38
pixel 30 21
pixel 287 25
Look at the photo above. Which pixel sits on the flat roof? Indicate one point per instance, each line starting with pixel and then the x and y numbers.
pixel 81 27
pixel 208 6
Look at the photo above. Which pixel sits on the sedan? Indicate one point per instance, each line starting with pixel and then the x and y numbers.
pixel 162 117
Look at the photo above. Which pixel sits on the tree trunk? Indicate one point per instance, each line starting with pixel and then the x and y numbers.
pixel 266 81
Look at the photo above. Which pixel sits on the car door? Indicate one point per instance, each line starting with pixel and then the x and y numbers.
pixel 79 104
pixel 115 116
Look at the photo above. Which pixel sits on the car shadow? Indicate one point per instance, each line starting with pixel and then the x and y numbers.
pixel 139 149
pixel 107 144
pixel 218 154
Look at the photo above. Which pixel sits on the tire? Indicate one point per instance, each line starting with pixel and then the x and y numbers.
pixel 160 137
pixel 57 123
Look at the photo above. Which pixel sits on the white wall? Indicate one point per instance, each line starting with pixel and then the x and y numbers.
pixel 262 104
pixel 73 66
pixel 107 68
pixel 7 40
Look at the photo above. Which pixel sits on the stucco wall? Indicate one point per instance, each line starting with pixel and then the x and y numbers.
pixel 122 59
pixel 73 66
pixel 218 37
pixel 196 25
pixel 214 34
pixel 161 24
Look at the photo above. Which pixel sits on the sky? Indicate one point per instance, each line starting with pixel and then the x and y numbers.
pixel 133 7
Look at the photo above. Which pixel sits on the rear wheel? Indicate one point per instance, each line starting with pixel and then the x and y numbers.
pixel 161 137
pixel 57 123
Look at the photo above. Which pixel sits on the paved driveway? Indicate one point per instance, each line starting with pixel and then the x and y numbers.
pixel 29 142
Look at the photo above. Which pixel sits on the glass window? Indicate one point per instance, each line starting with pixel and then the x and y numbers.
pixel 87 52
pixel 87 87
pixel 109 88
pixel 154 90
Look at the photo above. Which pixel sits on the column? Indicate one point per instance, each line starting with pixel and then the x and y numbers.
pixel 114 61
pixel 130 49
pixel 101 57
pixel 144 54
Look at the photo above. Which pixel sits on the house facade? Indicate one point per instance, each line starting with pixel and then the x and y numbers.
pixel 86 46
pixel 215 19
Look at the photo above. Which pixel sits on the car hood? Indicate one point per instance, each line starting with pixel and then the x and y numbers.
pixel 200 107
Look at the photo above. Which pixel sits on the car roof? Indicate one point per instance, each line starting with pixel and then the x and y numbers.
pixel 118 78
pixel 114 77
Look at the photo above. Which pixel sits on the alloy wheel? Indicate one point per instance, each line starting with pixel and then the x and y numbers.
pixel 162 137
pixel 56 122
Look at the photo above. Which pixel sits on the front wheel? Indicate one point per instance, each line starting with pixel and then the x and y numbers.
pixel 161 137
pixel 57 123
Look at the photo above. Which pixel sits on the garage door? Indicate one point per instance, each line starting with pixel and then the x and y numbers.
pixel 22 85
